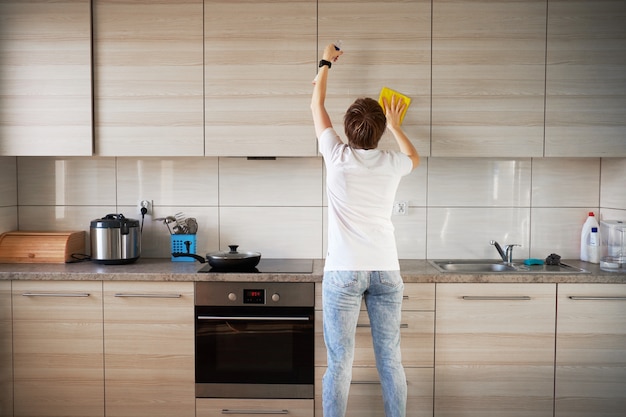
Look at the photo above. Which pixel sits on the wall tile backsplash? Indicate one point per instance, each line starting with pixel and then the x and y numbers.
pixel 278 207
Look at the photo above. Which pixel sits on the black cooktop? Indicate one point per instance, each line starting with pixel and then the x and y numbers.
pixel 269 265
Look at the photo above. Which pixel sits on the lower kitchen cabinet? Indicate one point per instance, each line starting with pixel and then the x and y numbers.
pixel 213 407
pixel 6 351
pixel 57 348
pixel 591 350
pixel 494 353
pixel 417 344
pixel 149 349
pixel 366 398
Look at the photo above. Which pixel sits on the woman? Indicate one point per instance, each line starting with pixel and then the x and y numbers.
pixel 362 259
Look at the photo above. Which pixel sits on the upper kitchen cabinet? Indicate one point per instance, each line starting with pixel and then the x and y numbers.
pixel 586 78
pixel 45 78
pixel 148 83
pixel 259 64
pixel 385 43
pixel 488 78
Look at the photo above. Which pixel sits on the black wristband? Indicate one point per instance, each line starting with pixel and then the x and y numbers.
pixel 324 62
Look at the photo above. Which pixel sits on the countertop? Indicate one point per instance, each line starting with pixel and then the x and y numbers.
pixel 147 269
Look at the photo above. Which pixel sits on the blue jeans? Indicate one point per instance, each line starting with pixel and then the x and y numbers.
pixel 342 292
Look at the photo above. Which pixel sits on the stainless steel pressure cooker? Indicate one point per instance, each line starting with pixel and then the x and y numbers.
pixel 115 240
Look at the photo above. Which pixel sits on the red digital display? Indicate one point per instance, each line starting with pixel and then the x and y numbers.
pixel 254 296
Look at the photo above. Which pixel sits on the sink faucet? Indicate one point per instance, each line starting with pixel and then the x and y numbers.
pixel 507 253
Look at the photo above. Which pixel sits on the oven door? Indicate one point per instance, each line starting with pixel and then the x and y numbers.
pixel 254 352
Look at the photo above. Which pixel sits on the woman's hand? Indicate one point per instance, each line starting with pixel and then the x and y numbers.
pixel 331 53
pixel 393 111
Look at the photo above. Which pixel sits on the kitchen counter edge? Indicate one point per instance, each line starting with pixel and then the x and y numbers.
pixel 413 271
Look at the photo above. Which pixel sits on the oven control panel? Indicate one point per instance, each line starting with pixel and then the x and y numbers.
pixel 300 294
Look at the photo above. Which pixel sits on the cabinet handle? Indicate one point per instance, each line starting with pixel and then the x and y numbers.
pixel 496 298
pixel 148 295
pixel 590 297
pixel 55 294
pixel 402 325
pixel 365 382
pixel 227 411
pixel 254 318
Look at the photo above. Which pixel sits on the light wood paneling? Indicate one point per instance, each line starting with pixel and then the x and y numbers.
pixel 591 351
pixel 417 297
pixel 385 43
pixel 494 356
pixel 417 345
pixel 212 407
pixel 366 398
pixel 586 78
pixel 259 63
pixel 57 349
pixel 148 78
pixel 417 340
pixel 149 349
pixel 6 351
pixel 45 78
pixel 488 78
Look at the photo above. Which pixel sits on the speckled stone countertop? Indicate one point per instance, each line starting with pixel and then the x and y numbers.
pixel 146 269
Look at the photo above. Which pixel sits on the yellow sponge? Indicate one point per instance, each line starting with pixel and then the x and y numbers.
pixel 387 93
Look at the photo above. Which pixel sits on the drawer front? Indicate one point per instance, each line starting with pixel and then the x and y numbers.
pixel 366 396
pixel 213 407
pixel 417 340
pixel 417 296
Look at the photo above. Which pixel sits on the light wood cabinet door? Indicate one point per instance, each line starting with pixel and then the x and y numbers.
pixel 45 78
pixel 216 407
pixel 366 398
pixel 417 345
pixel 586 78
pixel 6 350
pixel 385 43
pixel 494 350
pixel 259 64
pixel 488 78
pixel 57 349
pixel 417 340
pixel 148 81
pixel 591 350
pixel 149 349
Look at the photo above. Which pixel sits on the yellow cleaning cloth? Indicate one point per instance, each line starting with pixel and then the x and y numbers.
pixel 387 93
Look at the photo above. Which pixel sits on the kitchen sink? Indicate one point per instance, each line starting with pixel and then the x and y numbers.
pixel 488 266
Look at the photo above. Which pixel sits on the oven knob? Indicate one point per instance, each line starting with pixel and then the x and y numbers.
pixel 275 297
pixel 232 296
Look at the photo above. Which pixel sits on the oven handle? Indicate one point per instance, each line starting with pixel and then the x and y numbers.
pixel 227 411
pixel 253 318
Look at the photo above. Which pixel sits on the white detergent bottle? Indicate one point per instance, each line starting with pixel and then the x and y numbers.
pixel 585 237
pixel 594 246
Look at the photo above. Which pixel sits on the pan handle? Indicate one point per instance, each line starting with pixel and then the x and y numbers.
pixel 191 255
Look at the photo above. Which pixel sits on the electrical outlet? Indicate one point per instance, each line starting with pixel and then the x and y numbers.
pixel 147 204
pixel 400 208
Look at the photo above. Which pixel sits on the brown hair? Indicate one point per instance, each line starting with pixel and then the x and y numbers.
pixel 364 123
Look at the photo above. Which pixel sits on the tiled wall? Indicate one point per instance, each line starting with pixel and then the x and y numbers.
pixel 456 205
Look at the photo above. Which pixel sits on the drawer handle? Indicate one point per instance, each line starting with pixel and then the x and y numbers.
pixel 55 294
pixel 148 295
pixel 496 298
pixel 402 325
pixel 589 297
pixel 228 411
pixel 365 382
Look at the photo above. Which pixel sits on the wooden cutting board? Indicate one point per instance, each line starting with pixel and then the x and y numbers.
pixel 40 247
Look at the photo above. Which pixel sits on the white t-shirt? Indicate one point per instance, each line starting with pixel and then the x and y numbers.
pixel 361 186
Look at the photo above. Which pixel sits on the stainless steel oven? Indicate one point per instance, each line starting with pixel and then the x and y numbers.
pixel 254 340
